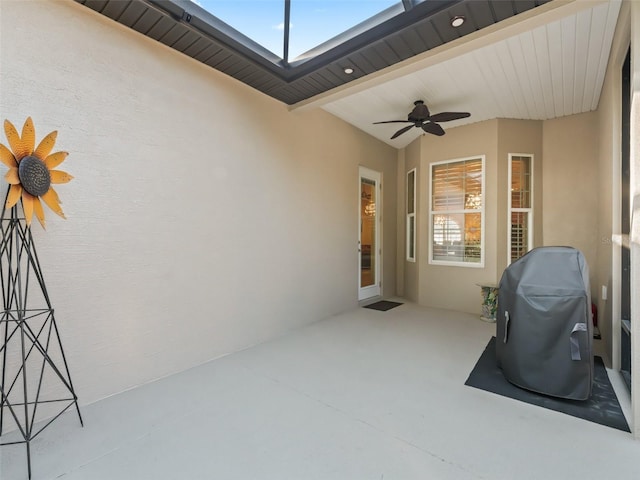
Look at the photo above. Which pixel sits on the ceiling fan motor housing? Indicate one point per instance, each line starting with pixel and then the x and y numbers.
pixel 420 112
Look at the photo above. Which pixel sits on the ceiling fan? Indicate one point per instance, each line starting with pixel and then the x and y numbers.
pixel 421 118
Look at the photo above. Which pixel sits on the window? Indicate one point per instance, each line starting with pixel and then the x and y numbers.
pixel 457 213
pixel 411 215
pixel 520 210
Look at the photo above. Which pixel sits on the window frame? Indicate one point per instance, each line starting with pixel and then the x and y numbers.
pixel 481 211
pixel 411 216
pixel 511 210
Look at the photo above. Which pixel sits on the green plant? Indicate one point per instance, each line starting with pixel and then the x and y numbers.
pixel 490 299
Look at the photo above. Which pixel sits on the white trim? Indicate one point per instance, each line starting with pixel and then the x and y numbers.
pixel 376 288
pixel 529 210
pixel 616 216
pixel 411 237
pixel 634 230
pixel 481 210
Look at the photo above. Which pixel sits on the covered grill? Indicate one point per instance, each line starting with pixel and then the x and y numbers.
pixel 544 325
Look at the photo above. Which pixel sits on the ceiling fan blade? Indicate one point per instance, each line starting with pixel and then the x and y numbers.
pixel 448 116
pixel 394 121
pixel 433 128
pixel 402 130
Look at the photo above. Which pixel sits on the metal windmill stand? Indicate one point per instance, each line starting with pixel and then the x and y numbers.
pixel 30 333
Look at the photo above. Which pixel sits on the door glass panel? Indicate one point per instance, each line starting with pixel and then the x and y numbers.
pixel 367 232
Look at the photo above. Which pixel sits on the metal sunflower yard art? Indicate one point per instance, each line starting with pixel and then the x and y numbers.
pixel 33 360
pixel 31 171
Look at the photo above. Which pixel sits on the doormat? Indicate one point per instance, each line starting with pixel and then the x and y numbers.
pixel 383 305
pixel 602 407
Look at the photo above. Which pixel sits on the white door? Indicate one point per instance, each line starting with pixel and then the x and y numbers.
pixel 369 246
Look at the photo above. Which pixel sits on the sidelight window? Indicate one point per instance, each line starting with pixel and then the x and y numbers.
pixel 411 215
pixel 520 209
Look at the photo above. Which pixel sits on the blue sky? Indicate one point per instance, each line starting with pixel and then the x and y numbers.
pixel 312 21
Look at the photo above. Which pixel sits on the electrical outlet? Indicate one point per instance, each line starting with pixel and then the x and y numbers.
pixel 604 292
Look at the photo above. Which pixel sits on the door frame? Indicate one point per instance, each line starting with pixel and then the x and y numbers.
pixel 374 290
pixel 621 336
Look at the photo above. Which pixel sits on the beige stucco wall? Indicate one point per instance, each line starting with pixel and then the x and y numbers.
pixel 563 214
pixel 454 287
pixel 517 137
pixel 412 159
pixel 204 216
pixel 400 221
pixel 570 185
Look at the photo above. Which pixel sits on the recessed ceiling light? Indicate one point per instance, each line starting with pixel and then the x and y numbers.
pixel 457 21
pixel 348 70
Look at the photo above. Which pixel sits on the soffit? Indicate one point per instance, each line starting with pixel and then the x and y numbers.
pixel 187 28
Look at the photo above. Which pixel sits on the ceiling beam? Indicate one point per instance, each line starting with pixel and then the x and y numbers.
pixel 287 24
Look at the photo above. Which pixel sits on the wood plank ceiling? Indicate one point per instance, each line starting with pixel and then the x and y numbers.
pixel 549 71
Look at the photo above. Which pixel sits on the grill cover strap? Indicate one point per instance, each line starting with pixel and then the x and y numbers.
pixel 573 339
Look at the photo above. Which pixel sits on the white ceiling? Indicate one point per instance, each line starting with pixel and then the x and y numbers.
pixel 546 64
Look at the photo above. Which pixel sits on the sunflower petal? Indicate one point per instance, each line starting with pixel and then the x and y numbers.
pixel 14 195
pixel 28 136
pixel 55 159
pixel 58 176
pixel 12 176
pixel 55 195
pixel 27 206
pixel 51 199
pixel 46 145
pixel 14 140
pixel 37 209
pixel 7 157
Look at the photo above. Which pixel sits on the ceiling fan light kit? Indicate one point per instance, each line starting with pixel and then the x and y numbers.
pixel 420 117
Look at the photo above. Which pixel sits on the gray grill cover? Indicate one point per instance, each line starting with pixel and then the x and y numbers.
pixel 544 325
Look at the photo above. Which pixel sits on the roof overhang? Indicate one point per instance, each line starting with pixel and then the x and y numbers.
pixel 419 27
